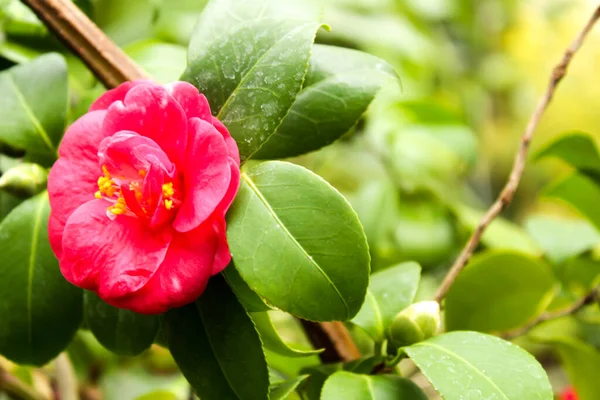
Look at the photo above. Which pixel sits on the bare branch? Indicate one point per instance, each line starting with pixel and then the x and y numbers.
pixel 334 338
pixel 547 316
pixel 107 61
pixel 516 173
pixel 13 386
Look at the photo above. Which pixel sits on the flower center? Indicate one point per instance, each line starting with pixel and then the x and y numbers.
pixel 141 197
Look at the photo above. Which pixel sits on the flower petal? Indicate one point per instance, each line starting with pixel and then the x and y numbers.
pixel 73 178
pixel 234 152
pixel 207 175
pixel 126 153
pixel 116 94
pixel 222 254
pixel 113 257
pixel 234 185
pixel 181 277
pixel 150 111
pixel 193 102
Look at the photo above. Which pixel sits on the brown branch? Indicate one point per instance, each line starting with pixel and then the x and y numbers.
pixel 516 173
pixel 107 61
pixel 549 315
pixel 13 386
pixel 334 338
pixel 111 66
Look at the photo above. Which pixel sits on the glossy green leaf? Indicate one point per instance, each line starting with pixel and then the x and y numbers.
pixel 164 62
pixel 580 192
pixel 339 86
pixel 121 331
pixel 471 365
pixel 281 390
pixel 501 234
pixel 577 149
pixel 249 57
pixel 217 347
pixel 390 291
pixel 580 361
pixel 30 119
pixel 297 242
pixel 498 291
pixel 271 339
pixel 348 386
pixel 562 238
pixel 40 311
pixel 250 300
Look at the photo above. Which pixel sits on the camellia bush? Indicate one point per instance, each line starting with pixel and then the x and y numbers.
pixel 197 221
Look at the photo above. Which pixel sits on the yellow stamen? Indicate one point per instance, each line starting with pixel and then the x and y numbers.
pixel 119 208
pixel 106 184
pixel 168 204
pixel 168 190
pixel 98 195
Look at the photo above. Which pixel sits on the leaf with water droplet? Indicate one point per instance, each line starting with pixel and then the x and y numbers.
pixel 257 53
pixel 339 86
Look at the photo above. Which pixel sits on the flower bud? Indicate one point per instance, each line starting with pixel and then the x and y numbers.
pixel 24 180
pixel 415 323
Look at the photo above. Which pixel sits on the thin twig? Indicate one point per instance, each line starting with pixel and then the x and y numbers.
pixel 547 316
pixel 107 61
pixel 516 173
pixel 13 386
pixel 111 66
pixel 67 385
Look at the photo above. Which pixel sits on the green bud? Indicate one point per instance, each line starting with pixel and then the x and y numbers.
pixel 24 180
pixel 415 323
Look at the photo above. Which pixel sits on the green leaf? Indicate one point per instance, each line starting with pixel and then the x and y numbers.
pixel 498 291
pixel 471 365
pixel 217 347
pixel 164 62
pixel 500 234
pixel 281 390
pixel 348 386
pixel 580 361
pixel 250 58
pixel 562 238
pixel 390 291
pixel 271 339
pixel 121 331
pixel 579 192
pixel 297 242
pixel 30 119
pixel 40 311
pixel 578 149
pixel 339 86
pixel 251 301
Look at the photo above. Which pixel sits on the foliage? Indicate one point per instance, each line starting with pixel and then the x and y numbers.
pixel 359 127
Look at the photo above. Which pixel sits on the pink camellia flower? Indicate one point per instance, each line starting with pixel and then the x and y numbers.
pixel 139 195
